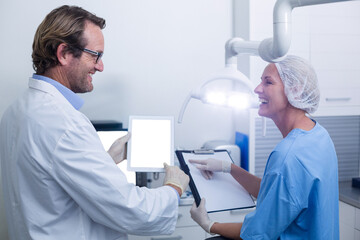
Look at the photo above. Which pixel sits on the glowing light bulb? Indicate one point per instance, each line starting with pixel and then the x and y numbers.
pixel 217 98
pixel 238 101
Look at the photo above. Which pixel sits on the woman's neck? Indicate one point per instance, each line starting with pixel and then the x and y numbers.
pixel 293 118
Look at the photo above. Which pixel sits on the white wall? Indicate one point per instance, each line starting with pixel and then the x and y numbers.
pixel 155 53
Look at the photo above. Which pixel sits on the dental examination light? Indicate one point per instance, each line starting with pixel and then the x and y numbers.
pixel 241 98
pixel 271 50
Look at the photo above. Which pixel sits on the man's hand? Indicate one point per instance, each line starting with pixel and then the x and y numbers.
pixel 176 177
pixel 118 149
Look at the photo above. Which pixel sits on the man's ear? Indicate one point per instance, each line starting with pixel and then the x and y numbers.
pixel 62 54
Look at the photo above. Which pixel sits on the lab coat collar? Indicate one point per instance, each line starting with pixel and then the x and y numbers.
pixel 72 98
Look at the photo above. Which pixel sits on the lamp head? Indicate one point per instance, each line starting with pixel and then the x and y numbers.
pixel 236 91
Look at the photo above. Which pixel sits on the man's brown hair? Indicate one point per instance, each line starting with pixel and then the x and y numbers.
pixel 65 24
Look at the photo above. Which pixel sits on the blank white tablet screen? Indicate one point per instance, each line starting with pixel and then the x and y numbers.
pixel 151 143
pixel 107 139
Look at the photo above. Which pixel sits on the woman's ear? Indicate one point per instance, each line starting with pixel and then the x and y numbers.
pixel 62 54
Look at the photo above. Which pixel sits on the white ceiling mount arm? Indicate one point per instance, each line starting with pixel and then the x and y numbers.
pixel 236 46
pixel 273 49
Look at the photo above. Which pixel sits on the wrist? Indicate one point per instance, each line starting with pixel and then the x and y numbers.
pixel 226 166
pixel 210 226
pixel 178 189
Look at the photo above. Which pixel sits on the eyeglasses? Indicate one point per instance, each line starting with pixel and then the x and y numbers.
pixel 97 54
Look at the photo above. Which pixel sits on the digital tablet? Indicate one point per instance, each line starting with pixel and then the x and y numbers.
pixel 151 143
pixel 107 139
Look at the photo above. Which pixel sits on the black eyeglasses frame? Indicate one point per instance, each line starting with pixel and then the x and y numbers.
pixel 97 54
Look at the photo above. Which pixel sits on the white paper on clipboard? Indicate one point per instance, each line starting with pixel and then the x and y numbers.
pixel 222 192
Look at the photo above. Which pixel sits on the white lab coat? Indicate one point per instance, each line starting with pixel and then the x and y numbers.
pixel 60 183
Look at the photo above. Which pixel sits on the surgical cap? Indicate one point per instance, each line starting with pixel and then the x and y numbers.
pixel 300 83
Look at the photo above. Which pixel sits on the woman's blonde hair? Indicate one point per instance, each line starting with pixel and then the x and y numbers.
pixel 62 25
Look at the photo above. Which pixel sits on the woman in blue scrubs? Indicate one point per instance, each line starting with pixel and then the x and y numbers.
pixel 297 198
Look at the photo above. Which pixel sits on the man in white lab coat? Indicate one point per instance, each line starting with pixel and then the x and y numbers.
pixel 58 180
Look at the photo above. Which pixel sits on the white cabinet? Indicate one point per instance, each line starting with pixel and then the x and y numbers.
pixel 334 52
pixel 339 101
pixel 349 222
pixel 339 97
pixel 186 228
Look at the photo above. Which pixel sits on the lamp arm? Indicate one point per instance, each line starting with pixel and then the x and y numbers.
pixel 183 107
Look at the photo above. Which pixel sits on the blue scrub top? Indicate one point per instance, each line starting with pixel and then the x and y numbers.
pixel 298 197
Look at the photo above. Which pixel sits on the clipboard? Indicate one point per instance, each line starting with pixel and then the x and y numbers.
pixel 222 192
